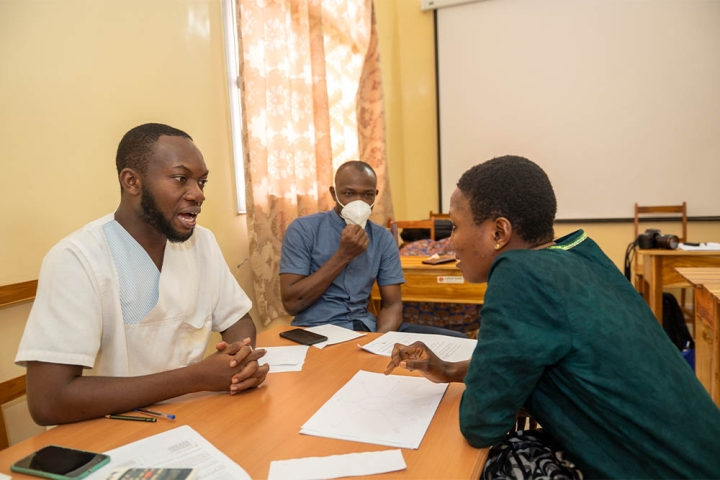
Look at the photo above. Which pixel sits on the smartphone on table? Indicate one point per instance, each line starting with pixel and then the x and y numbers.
pixel 60 463
pixel 303 337
pixel 439 259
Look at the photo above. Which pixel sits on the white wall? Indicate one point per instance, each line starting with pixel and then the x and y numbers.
pixel 618 100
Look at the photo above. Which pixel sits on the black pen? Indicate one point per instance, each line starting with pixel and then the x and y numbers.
pixel 131 418
pixel 169 416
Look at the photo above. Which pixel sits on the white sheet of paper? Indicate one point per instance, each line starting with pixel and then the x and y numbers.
pixel 6 477
pixel 702 246
pixel 179 447
pixel 450 349
pixel 284 359
pixel 334 334
pixel 337 466
pixel 390 410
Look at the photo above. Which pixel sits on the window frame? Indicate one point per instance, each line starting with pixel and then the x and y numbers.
pixel 233 85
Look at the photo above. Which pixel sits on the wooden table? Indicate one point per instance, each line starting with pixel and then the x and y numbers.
pixel 659 270
pixel 263 425
pixel 706 282
pixel 434 283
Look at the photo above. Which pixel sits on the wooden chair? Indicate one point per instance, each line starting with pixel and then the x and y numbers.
pixel 524 421
pixel 395 226
pixel 439 216
pixel 9 390
pixel 678 212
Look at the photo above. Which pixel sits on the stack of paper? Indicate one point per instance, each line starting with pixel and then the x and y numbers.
pixel 284 359
pixel 450 349
pixel 390 410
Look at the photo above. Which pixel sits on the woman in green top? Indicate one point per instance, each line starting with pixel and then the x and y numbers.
pixel 566 337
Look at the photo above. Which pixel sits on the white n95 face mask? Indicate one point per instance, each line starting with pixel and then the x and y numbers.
pixel 356 212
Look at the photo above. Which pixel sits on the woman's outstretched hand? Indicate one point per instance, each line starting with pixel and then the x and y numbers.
pixel 418 356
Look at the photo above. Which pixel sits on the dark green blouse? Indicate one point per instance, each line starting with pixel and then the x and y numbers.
pixel 565 335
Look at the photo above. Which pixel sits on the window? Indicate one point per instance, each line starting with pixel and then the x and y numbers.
pixel 233 76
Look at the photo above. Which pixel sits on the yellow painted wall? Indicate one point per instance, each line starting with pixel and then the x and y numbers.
pixel 75 75
pixel 407 60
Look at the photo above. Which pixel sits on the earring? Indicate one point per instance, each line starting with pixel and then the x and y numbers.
pixel 497 246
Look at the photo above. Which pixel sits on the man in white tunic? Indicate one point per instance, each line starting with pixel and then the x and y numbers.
pixel 134 296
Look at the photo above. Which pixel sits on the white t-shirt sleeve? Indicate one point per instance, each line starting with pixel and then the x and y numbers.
pixel 65 323
pixel 233 303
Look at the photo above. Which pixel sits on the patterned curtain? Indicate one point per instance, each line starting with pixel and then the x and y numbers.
pixel 312 100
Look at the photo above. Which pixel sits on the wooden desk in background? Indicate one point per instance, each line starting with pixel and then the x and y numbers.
pixel 259 426
pixel 659 269
pixel 433 283
pixel 707 326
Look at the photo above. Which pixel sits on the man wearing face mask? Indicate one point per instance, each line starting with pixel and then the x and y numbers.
pixel 330 260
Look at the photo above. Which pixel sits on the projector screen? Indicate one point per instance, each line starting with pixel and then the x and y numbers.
pixel 618 100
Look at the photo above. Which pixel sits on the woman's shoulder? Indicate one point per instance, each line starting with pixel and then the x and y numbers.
pixel 546 265
pixel 557 253
pixel 526 259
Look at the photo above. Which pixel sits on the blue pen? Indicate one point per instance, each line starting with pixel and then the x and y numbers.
pixel 169 416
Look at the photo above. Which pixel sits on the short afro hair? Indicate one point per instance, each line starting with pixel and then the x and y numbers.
pixel 136 145
pixel 515 188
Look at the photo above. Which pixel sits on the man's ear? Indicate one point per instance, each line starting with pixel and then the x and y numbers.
pixel 332 193
pixel 130 181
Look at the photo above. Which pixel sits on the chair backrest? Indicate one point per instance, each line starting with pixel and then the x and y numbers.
pixel 439 216
pixel 9 390
pixel 670 211
pixel 392 226
pixel 397 225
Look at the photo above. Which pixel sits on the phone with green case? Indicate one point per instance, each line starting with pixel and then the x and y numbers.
pixel 60 463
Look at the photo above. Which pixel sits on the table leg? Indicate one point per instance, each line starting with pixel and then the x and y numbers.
pixel 653 272
pixel 715 378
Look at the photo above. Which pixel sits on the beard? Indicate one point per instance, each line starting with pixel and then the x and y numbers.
pixel 152 215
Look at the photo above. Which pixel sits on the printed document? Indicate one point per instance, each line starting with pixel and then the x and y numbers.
pixel 450 349
pixel 390 410
pixel 179 447
pixel 337 466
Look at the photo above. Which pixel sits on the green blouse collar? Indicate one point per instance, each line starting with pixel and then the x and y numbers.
pixel 569 241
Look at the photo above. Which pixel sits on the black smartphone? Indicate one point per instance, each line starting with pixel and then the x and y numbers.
pixel 437 260
pixel 303 337
pixel 60 463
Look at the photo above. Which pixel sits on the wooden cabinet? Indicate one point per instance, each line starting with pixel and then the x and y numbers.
pixel 706 282
pixel 442 283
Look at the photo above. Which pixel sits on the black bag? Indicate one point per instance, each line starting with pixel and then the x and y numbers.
pixel 674 323
pixel 443 229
